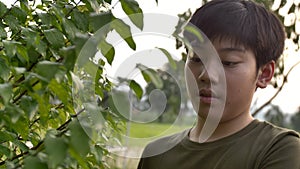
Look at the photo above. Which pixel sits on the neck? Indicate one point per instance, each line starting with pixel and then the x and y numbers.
pixel 225 127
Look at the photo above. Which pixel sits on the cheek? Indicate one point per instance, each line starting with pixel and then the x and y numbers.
pixel 190 79
pixel 192 87
pixel 240 87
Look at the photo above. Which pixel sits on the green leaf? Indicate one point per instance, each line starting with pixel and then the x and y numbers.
pixel 34 162
pixel 33 38
pixel 6 136
pixel 70 28
pixel 13 23
pixel 21 145
pixel 107 50
pixel 77 83
pixel 55 38
pixel 4 150
pixel 10 47
pixel 19 14
pixel 45 18
pixel 79 159
pixel 43 106
pixel 3 8
pixel 91 68
pixel 136 88
pixel 41 47
pixel 25 7
pixel 124 31
pixel 99 153
pixel 29 106
pixel 15 113
pixel 22 125
pixel 79 139
pixel 134 12
pixel 30 35
pixel 47 69
pixel 22 54
pixel 94 113
pixel 170 58
pixel 3 33
pixel 86 49
pixel 88 5
pixel 49 20
pixel 58 11
pixel 151 75
pixel 4 70
pixel 119 103
pixel 99 20
pixel 81 20
pixel 56 148
pixel 70 57
pixel 194 32
pixel 59 90
pixel 6 92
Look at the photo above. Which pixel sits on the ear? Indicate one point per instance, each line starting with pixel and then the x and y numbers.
pixel 265 74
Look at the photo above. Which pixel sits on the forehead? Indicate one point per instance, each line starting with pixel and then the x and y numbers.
pixel 228 43
pixel 216 45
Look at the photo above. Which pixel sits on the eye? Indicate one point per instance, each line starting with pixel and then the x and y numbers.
pixel 195 59
pixel 229 64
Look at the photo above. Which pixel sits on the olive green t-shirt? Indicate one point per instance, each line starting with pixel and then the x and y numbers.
pixel 260 145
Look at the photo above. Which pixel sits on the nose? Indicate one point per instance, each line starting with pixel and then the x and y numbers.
pixel 203 76
pixel 208 74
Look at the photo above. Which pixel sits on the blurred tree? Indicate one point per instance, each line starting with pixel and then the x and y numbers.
pixel 295 121
pixel 276 116
pixel 174 90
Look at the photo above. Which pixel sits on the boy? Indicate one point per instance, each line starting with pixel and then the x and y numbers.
pixel 247 39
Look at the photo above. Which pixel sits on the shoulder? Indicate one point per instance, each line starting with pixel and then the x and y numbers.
pixel 282 138
pixel 164 144
pixel 283 148
pixel 278 137
pixel 272 131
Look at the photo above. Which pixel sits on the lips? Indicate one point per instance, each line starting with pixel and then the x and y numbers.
pixel 205 93
pixel 206 96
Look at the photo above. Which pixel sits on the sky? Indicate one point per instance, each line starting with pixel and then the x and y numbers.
pixel 288 99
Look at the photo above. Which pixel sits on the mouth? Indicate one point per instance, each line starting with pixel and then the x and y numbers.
pixel 207 96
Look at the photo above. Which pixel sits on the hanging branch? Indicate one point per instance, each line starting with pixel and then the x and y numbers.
pixel 278 91
pixel 60 128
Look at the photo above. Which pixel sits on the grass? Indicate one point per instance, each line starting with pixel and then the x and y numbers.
pixel 139 136
pixel 138 130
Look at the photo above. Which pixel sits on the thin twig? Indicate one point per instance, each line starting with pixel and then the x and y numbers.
pixel 60 128
pixel 24 92
pixel 71 10
pixel 278 91
pixel 8 10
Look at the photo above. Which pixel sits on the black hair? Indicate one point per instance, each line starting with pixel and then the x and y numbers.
pixel 243 22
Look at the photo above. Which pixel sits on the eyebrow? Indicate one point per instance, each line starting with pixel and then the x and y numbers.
pixel 232 49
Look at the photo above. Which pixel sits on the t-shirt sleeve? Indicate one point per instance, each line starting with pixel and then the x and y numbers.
pixel 141 164
pixel 283 153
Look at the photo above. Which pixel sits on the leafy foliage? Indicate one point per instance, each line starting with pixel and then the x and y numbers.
pixel 172 76
pixel 44 121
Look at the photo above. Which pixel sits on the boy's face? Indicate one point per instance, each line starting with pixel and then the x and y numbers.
pixel 231 96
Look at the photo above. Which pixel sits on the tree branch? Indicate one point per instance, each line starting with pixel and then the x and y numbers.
pixel 60 128
pixel 278 91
